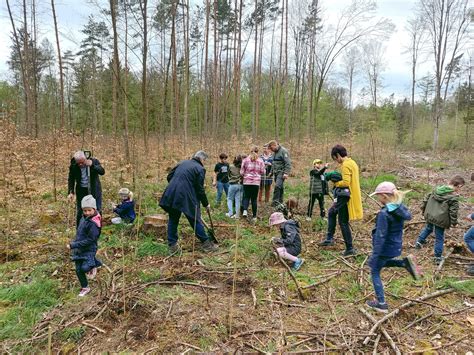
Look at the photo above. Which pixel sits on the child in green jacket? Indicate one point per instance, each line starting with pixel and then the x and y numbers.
pixel 440 210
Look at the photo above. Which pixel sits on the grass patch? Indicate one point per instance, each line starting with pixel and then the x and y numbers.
pixel 149 276
pixel 369 183
pixel 24 305
pixel 73 334
pixel 466 286
pixel 150 247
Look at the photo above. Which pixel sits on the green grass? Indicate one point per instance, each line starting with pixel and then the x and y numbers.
pixel 149 275
pixel 73 334
pixel 466 286
pixel 150 247
pixel 24 305
pixel 370 183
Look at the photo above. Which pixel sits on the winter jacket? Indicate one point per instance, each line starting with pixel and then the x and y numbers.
pixel 350 179
pixel 74 179
pixel 252 171
pixel 126 210
pixel 318 183
pixel 290 237
pixel 87 235
pixel 185 188
pixel 281 161
pixel 441 207
pixel 388 232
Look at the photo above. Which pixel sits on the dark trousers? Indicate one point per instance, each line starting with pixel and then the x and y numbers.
pixel 250 194
pixel 340 211
pixel 376 266
pixel 278 190
pixel 173 222
pixel 81 192
pixel 84 265
pixel 312 200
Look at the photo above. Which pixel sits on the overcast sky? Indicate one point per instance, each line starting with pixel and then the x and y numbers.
pixel 72 15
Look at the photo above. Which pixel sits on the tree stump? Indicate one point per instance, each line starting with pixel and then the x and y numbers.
pixel 155 224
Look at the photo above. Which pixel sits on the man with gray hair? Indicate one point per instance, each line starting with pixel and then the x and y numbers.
pixel 84 180
pixel 184 194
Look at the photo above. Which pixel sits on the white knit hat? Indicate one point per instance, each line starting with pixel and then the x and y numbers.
pixel 88 202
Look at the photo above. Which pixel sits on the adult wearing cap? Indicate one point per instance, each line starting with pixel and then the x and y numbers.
pixel 184 194
pixel 281 170
pixel 84 180
pixel 347 200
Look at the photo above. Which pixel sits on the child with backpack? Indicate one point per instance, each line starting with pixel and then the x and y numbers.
pixel 84 247
pixel 126 209
pixel 440 210
pixel 317 188
pixel 387 238
pixel 288 245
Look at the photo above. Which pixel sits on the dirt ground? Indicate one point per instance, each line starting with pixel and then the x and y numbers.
pixel 241 299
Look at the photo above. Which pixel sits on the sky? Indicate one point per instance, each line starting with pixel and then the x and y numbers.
pixel 73 14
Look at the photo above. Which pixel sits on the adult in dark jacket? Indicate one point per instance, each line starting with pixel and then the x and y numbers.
pixel 281 170
pixel 184 193
pixel 84 180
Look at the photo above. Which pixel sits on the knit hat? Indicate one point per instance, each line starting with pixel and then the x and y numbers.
pixel 385 187
pixel 317 161
pixel 124 191
pixel 333 176
pixel 88 202
pixel 276 218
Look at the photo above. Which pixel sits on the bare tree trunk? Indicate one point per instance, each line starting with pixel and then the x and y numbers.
pixel 215 74
pixel 125 90
pixel 206 65
pixel 174 118
pixel 285 75
pixel 254 84
pixel 116 65
pixel 34 65
pixel 186 69
pixel 61 79
pixel 144 8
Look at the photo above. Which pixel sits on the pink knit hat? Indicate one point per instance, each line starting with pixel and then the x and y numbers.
pixel 276 218
pixel 385 187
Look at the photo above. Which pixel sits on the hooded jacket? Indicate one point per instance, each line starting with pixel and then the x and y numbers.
pixel 126 210
pixel 441 207
pixel 388 232
pixel 87 235
pixel 290 236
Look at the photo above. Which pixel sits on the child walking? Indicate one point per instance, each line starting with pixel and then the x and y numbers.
pixel 234 198
pixel 440 210
pixel 252 170
pixel 288 245
pixel 387 237
pixel 84 247
pixel 221 177
pixel 317 188
pixel 126 209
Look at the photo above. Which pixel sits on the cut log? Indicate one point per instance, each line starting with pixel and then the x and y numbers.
pixel 155 224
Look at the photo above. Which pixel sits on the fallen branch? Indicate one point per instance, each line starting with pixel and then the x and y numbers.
pixel 254 348
pixel 403 306
pixel 100 330
pixel 383 331
pixel 441 346
pixel 418 320
pixel 189 345
pixel 284 303
pixel 250 332
pixel 300 293
pixel 321 282
pixel 441 264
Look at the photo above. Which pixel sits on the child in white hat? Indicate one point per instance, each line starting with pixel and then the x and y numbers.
pixel 288 246
pixel 126 209
pixel 84 247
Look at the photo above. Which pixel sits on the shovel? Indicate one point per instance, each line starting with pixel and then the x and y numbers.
pixel 210 230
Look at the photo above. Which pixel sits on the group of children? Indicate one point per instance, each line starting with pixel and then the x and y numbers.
pixel 440 210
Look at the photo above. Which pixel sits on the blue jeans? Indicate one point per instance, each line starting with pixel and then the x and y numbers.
pixel 376 265
pixel 234 196
pixel 221 186
pixel 469 239
pixel 173 223
pixel 439 238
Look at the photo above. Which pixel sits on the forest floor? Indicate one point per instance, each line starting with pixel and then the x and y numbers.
pixel 238 299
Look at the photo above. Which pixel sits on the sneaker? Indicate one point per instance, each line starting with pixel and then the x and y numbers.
pixel 349 252
pixel 308 219
pixel 209 247
pixel 174 249
pixel 245 213
pixel 297 264
pixel 437 260
pixel 235 216
pixel 84 291
pixel 323 214
pixel 379 307
pixel 326 243
pixel 91 274
pixel 228 215
pixel 412 268
pixel 418 245
pixel 254 220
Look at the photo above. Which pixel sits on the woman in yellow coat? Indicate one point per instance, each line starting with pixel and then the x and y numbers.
pixel 347 202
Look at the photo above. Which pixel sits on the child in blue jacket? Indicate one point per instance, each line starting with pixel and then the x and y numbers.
pixel 387 241
pixel 84 247
pixel 126 209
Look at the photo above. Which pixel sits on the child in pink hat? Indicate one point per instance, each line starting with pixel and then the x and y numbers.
pixel 288 246
pixel 387 237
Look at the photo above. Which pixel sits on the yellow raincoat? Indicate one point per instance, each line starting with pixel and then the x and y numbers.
pixel 350 179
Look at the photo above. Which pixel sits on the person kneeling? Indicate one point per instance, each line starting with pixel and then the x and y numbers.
pixel 288 246
pixel 126 209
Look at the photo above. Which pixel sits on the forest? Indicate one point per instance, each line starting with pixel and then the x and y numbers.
pixel 144 84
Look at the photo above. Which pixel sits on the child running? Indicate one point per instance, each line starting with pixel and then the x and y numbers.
pixel 440 209
pixel 84 247
pixel 288 246
pixel 387 239
pixel 317 188
pixel 126 209
pixel 235 188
